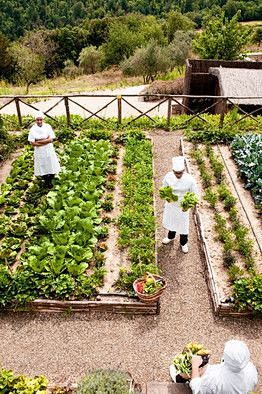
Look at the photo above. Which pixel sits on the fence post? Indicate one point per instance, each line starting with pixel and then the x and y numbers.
pixel 67 111
pixel 169 110
pixel 222 113
pixel 119 109
pixel 18 111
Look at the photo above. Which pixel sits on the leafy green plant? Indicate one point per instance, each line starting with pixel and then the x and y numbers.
pixel 22 384
pixel 166 193
pixel 190 200
pixel 247 293
pixel 211 197
pixel 105 382
pixel 247 155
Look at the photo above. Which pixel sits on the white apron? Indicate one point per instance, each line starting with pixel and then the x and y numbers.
pixel 45 159
pixel 174 219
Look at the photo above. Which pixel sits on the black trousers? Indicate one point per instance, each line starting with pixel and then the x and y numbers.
pixel 183 237
pixel 48 179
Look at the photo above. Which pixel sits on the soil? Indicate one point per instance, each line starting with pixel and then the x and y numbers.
pixel 6 167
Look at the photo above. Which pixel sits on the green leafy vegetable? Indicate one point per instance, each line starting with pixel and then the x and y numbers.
pixel 190 199
pixel 166 193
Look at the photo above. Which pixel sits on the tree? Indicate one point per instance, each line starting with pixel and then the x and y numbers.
pixel 5 58
pixel 41 43
pixel 176 21
pixel 121 43
pixel 257 36
pixel 222 38
pixel 28 65
pixel 148 61
pixel 90 59
pixel 180 47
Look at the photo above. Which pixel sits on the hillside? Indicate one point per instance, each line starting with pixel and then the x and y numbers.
pixel 19 16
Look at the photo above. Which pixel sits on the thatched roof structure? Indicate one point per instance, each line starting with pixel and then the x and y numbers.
pixel 239 82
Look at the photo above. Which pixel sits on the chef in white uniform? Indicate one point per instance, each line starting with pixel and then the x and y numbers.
pixel 46 163
pixel 175 220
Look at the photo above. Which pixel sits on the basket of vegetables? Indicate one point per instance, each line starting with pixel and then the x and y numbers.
pixel 190 200
pixel 149 287
pixel 183 361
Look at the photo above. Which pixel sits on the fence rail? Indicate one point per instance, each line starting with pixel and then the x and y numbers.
pixel 72 103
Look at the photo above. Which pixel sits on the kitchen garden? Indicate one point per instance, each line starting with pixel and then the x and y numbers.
pixel 53 244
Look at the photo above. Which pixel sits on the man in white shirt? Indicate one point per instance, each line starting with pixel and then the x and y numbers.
pixel 46 163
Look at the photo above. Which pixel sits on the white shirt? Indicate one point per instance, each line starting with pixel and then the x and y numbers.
pixel 217 379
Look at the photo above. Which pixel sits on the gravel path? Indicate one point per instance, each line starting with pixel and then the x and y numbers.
pixel 65 346
pixel 94 104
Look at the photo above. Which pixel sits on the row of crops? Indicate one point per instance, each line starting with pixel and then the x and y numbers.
pixel 238 253
pixel 52 243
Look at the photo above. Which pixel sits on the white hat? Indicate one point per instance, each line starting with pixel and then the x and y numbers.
pixel 236 355
pixel 39 115
pixel 178 163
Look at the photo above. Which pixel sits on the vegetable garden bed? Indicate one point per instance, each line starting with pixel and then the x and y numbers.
pixel 53 244
pixel 229 229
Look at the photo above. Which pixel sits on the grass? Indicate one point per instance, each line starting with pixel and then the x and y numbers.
pixel 109 79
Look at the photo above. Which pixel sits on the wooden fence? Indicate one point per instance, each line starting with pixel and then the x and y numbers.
pixel 219 105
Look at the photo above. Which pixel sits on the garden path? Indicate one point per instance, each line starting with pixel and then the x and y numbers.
pixel 64 347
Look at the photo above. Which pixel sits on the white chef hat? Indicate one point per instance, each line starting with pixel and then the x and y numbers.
pixel 39 115
pixel 236 355
pixel 178 163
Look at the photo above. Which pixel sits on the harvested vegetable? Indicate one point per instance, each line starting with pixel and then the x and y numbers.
pixel 183 361
pixel 190 199
pixel 166 193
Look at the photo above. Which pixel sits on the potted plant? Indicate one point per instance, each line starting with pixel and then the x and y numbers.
pixel 149 287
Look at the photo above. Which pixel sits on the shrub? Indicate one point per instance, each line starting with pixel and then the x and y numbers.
pixel 248 293
pixel 105 382
pixel 90 60
pixel 70 70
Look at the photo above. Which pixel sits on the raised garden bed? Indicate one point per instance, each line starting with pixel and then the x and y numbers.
pixel 229 230
pixel 55 243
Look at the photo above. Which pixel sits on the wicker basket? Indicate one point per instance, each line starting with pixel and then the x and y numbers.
pixel 144 297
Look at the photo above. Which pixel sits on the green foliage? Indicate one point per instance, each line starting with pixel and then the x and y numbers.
pixel 136 221
pixel 222 38
pixel 180 48
pixel 257 36
pixel 122 42
pixel 90 60
pixel 105 382
pixel 190 200
pixel 29 66
pixel 70 70
pixel 211 196
pixel 177 22
pixel 166 193
pixel 5 58
pixel 247 155
pixel 22 384
pixel 248 293
pixel 148 61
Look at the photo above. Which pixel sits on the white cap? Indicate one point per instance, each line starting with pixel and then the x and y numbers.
pixel 236 355
pixel 39 115
pixel 178 163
